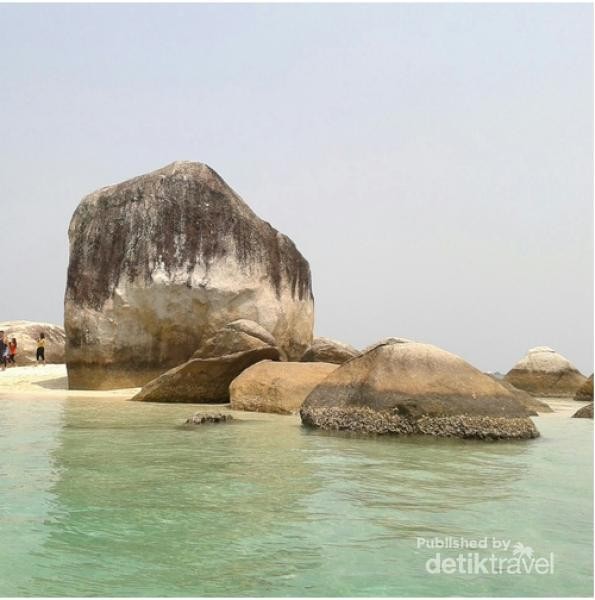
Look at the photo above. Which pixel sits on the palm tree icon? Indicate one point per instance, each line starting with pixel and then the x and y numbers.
pixel 520 550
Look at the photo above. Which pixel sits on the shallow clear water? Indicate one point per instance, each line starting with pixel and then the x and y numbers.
pixel 115 498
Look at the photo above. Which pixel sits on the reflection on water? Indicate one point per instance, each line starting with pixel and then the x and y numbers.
pixel 134 504
pixel 29 432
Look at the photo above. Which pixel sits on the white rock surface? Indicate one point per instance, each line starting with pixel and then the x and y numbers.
pixel 545 360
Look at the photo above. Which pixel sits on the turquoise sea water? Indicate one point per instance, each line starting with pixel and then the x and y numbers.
pixel 115 498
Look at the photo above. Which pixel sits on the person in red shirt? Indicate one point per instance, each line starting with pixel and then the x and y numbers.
pixel 12 351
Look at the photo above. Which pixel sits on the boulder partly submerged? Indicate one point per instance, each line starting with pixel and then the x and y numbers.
pixel 160 262
pixel 585 392
pixel 277 387
pixel 414 388
pixel 544 372
pixel 326 350
pixel 586 412
pixel 26 334
pixel 207 375
pixel 203 418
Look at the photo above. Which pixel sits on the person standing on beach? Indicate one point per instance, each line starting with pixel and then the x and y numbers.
pixel 40 355
pixel 12 351
pixel 3 349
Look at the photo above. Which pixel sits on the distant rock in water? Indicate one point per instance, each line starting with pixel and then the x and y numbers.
pixel 276 387
pixel 329 351
pixel 413 388
pixel 205 418
pixel 207 375
pixel 159 263
pixel 26 334
pixel 586 412
pixel 544 372
pixel 585 392
pixel 533 405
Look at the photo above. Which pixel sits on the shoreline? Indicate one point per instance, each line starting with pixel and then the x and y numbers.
pixel 51 382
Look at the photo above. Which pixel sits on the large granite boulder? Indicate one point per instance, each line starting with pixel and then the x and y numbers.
pixel 544 372
pixel 159 263
pixel 207 375
pixel 277 387
pixel 407 388
pixel 532 404
pixel 329 351
pixel 585 392
pixel 586 412
pixel 26 334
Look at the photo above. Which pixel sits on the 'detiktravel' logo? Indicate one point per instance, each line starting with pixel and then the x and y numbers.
pixel 484 556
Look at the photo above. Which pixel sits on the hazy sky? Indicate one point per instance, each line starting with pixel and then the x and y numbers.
pixel 434 163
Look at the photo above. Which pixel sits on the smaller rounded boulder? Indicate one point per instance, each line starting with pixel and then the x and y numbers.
pixel 202 418
pixel 544 372
pixel 585 392
pixel 326 350
pixel 414 388
pixel 207 375
pixel 277 387
pixel 586 412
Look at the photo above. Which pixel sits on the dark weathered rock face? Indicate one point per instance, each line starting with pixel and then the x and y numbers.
pixel 160 262
pixel 544 372
pixel 586 412
pixel 416 388
pixel 585 392
pixel 329 351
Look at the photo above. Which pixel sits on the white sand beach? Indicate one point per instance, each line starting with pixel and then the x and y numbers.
pixel 51 381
